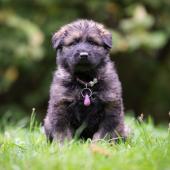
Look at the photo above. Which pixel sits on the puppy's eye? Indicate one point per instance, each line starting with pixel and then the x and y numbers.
pixel 93 42
pixel 74 42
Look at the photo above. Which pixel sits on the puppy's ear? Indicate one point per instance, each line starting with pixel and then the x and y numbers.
pixel 58 38
pixel 107 39
pixel 57 41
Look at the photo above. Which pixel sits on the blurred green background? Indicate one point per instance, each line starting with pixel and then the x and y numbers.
pixel 141 50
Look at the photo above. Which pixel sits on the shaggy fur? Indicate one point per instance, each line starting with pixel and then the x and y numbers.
pixel 66 115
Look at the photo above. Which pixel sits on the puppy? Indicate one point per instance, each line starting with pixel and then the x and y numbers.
pixel 85 95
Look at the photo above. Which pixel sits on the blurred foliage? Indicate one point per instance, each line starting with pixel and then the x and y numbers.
pixel 141 50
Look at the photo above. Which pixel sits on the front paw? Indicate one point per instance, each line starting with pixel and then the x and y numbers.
pixel 108 136
pixel 61 137
pixel 96 137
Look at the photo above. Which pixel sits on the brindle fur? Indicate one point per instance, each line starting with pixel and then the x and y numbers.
pixel 66 114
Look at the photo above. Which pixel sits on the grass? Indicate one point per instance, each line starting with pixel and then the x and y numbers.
pixel 26 148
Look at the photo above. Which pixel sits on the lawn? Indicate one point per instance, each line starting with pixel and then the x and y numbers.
pixel 23 148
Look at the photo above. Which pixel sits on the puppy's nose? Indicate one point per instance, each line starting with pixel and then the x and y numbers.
pixel 84 55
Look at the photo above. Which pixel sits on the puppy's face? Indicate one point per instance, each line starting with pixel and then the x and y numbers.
pixel 82 45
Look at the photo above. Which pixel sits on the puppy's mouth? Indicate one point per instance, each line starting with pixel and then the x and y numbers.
pixel 84 70
pixel 83 66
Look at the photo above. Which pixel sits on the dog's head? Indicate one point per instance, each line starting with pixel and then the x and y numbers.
pixel 82 45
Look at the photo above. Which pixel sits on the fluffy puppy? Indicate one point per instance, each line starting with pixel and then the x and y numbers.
pixel 85 95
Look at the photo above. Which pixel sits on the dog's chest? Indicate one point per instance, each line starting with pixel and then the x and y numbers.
pixel 80 113
pixel 90 115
